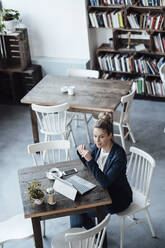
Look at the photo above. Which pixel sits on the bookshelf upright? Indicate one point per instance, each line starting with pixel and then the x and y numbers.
pixel 127 41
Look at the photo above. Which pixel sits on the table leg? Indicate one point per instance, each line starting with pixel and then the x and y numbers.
pixel 100 211
pixel 12 87
pixel 37 232
pixel 34 125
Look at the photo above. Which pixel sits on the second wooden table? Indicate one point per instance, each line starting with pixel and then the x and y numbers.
pixel 91 95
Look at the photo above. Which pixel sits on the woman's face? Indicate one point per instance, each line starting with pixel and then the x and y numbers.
pixel 101 138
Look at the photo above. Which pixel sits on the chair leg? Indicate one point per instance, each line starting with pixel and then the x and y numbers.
pixel 76 120
pixel 87 129
pixel 46 138
pixel 122 233
pixel 72 136
pixel 90 118
pixel 150 223
pixel 44 228
pixel 131 133
pixel 122 137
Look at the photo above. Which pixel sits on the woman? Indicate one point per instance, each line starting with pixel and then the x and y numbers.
pixel 107 161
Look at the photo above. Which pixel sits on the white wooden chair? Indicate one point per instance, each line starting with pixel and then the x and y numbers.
pixel 54 120
pixel 121 119
pixel 139 172
pixel 49 152
pixel 81 238
pixel 86 74
pixel 14 229
pixel 162 76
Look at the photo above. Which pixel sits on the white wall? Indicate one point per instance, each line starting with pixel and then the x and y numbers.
pixel 56 28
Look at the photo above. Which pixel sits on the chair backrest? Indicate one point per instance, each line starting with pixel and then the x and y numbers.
pixel 139 172
pixel 83 73
pixel 49 152
pixel 52 119
pixel 126 105
pixel 92 238
pixel 162 72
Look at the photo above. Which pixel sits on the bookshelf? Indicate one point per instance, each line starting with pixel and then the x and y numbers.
pixel 127 41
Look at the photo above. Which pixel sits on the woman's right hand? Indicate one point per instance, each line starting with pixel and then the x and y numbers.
pixel 81 148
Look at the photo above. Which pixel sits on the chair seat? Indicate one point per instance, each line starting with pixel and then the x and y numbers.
pixel 52 128
pixel 116 118
pixel 133 208
pixel 59 239
pixel 16 227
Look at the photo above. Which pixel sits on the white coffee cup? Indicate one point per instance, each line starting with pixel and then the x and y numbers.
pixel 71 90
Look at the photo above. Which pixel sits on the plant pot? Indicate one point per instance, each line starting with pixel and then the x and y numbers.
pixel 10 26
pixel 37 201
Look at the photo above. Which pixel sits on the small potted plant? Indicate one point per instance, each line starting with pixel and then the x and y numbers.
pixel 9 18
pixel 2 26
pixel 36 194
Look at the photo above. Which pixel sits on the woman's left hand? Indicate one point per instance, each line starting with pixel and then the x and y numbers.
pixel 86 154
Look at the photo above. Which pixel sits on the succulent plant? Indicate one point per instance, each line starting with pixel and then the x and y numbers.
pixel 35 191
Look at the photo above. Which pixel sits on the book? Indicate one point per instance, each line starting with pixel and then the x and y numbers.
pixel 117 62
pixel 131 63
pixel 100 20
pixel 95 19
pixel 100 62
pixel 160 42
pixel 136 66
pixel 156 43
pixel 157 22
pixel 115 19
pixel 139 84
pixel 91 18
pixel 140 47
pixel 150 68
pixel 123 63
pixel 108 67
pixel 130 20
pixel 121 22
pixel 104 14
pixel 109 20
pixel 153 22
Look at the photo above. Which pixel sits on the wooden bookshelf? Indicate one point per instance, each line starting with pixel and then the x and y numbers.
pixel 127 41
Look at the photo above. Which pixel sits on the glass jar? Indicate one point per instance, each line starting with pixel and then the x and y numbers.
pixel 51 199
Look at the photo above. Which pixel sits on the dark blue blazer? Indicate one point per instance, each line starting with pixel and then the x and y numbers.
pixel 113 177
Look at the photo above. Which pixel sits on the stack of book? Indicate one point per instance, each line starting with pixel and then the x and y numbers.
pixel 106 19
pixel 153 2
pixel 151 21
pixel 154 88
pixel 159 43
pixel 127 63
pixel 110 2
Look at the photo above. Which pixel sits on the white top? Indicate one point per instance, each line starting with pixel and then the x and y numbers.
pixel 102 159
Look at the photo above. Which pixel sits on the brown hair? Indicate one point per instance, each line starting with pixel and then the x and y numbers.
pixel 104 122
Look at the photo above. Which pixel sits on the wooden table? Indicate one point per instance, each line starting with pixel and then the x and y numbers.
pixel 91 95
pixel 93 200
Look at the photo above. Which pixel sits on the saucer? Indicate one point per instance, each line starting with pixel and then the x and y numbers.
pixel 64 89
pixel 53 173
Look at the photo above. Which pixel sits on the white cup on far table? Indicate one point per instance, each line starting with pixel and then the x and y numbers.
pixel 71 90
